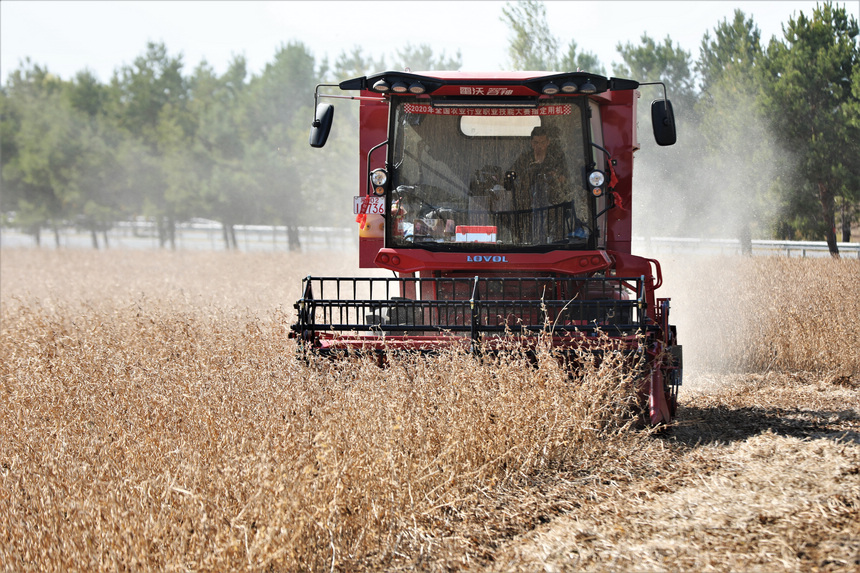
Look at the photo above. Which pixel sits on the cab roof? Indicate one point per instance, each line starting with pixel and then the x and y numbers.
pixel 518 83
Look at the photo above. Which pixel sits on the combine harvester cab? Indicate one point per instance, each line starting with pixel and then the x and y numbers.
pixel 502 203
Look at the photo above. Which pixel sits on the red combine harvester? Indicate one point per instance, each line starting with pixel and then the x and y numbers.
pixel 502 203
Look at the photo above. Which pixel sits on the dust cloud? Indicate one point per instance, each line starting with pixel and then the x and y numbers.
pixel 716 182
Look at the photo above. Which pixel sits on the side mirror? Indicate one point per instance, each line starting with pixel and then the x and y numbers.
pixel 663 122
pixel 321 126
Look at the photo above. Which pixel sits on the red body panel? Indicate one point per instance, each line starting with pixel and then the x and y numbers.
pixel 566 262
pixel 619 130
pixel 373 128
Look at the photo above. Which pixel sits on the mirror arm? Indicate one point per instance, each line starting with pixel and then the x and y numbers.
pixel 316 122
pixel 318 95
pixel 665 96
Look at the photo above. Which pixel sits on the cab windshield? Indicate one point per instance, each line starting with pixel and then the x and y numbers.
pixel 490 176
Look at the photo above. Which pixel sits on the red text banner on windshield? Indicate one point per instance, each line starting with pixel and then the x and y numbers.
pixel 427 109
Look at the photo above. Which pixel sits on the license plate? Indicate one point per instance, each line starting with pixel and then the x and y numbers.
pixel 368 205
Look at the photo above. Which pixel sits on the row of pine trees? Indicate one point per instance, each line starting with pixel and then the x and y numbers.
pixel 769 133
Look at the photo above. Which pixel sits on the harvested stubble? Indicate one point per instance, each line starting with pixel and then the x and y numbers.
pixel 152 433
pixel 767 503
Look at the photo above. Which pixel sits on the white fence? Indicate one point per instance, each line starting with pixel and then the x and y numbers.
pixel 657 245
pixel 197 235
pixel 209 235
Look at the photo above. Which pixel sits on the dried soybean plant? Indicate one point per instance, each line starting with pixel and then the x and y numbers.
pixel 155 416
pixel 169 428
pixel 741 314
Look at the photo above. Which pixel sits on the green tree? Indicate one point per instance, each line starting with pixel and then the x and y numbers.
pixel 533 46
pixel 280 93
pixel 58 164
pixel 40 152
pixel 279 111
pixel 98 176
pixel 148 100
pixel 87 95
pixel 227 187
pixel 574 60
pixel 355 63
pixel 663 202
pixel 734 50
pixel 808 94
pixel 144 89
pixel 850 202
pixel 738 146
pixel 653 62
pixel 422 58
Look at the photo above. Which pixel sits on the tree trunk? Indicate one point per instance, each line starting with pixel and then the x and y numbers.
pixel 105 236
pixel 846 221
pixel 95 238
pixel 233 237
pixel 828 210
pixel 746 239
pixel 162 235
pixel 226 233
pixel 171 232
pixel 56 235
pixel 293 241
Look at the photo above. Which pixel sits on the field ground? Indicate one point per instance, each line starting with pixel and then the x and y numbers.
pixel 761 475
pixel 153 415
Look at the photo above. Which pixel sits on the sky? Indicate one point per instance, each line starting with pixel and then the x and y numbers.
pixel 68 36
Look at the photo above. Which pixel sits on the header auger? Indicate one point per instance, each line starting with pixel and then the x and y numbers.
pixel 502 203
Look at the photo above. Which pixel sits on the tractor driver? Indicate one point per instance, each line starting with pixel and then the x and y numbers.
pixel 540 181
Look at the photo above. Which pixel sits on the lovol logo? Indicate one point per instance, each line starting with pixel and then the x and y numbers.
pixel 486 259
